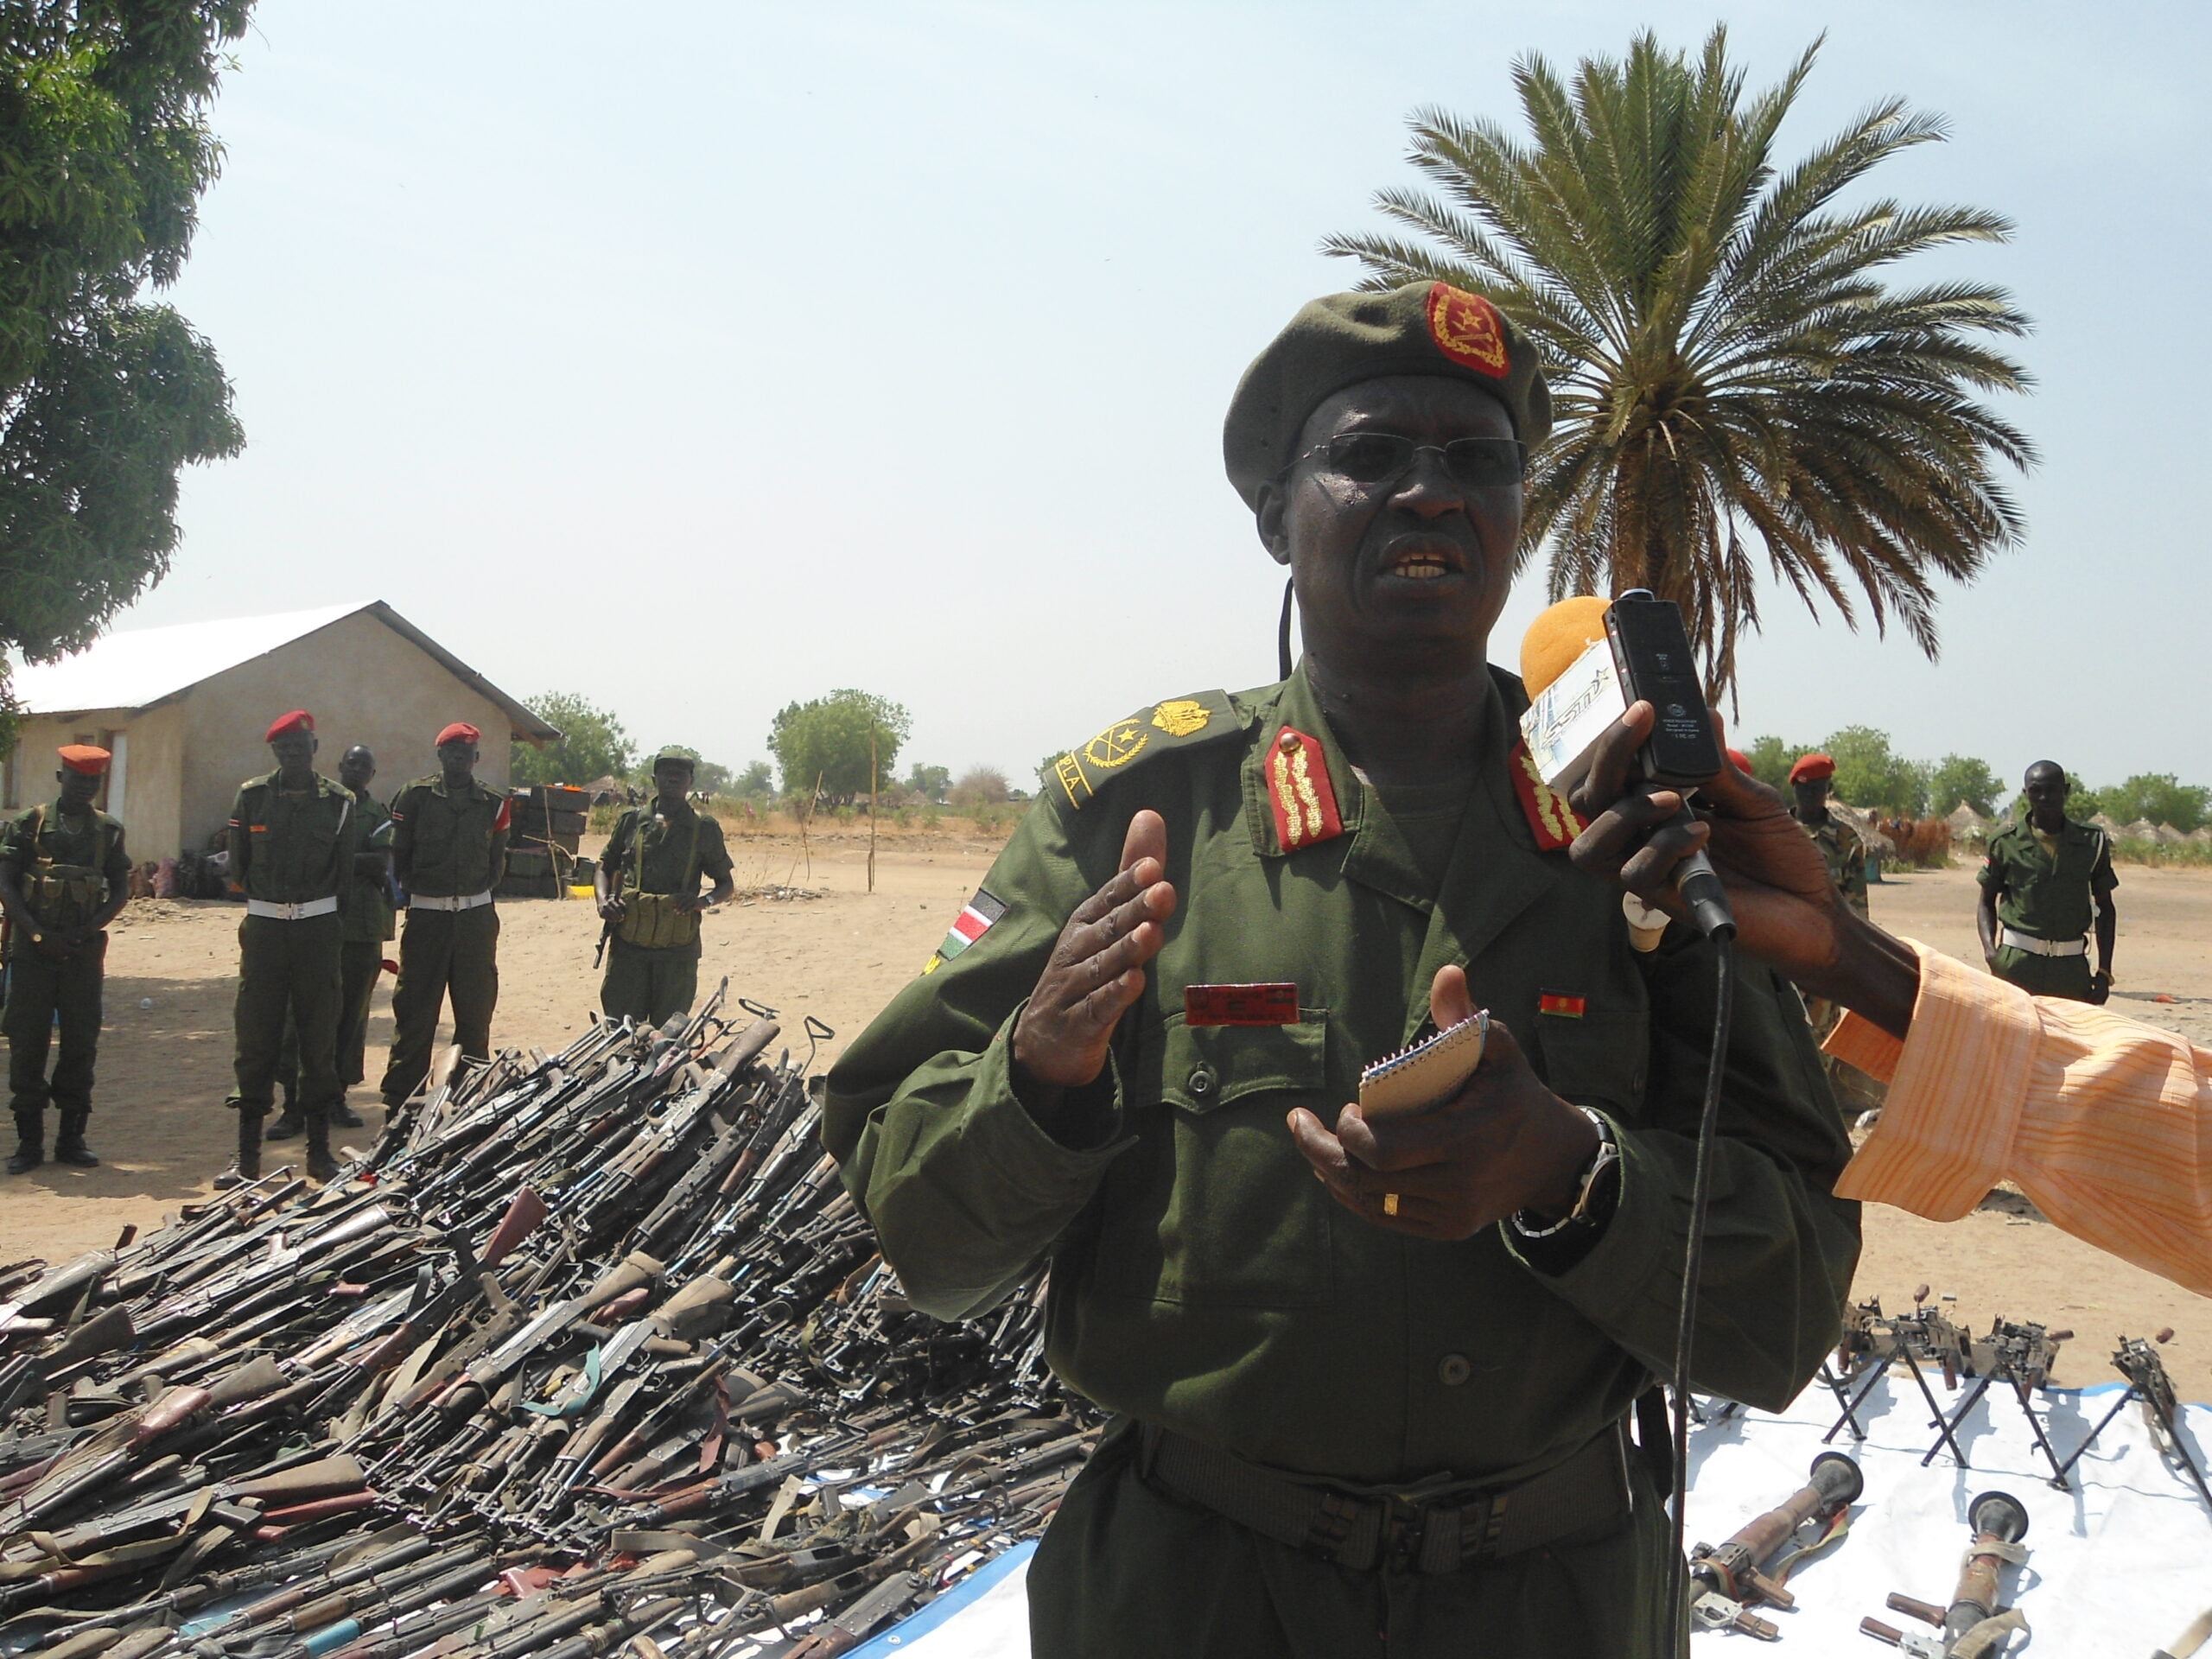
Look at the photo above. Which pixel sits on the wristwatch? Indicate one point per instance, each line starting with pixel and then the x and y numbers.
pixel 1582 1214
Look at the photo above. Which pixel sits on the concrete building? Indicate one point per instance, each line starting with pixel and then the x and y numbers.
pixel 184 709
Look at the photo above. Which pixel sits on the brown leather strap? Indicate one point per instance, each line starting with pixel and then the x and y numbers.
pixel 1433 1535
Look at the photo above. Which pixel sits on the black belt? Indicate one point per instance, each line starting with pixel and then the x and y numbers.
pixel 1405 1532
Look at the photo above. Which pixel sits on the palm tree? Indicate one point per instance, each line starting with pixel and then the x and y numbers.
pixel 1725 360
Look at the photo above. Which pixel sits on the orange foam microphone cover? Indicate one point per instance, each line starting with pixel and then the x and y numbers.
pixel 1555 639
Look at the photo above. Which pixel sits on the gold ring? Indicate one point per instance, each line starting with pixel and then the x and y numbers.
pixel 1389 1204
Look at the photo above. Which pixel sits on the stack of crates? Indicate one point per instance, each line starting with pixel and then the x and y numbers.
pixel 548 827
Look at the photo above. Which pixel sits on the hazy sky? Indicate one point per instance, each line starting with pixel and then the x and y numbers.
pixel 705 357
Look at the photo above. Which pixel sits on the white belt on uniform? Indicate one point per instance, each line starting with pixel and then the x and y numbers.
pixel 2036 947
pixel 298 913
pixel 464 901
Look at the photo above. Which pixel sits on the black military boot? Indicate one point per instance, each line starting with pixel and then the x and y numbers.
pixel 321 1166
pixel 288 1122
pixel 248 1167
pixel 344 1117
pixel 30 1142
pixel 69 1146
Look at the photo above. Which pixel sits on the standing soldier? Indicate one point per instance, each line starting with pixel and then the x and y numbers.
pixel 648 888
pixel 449 849
pixel 1844 854
pixel 294 835
pixel 361 959
pixel 2045 878
pixel 1840 847
pixel 63 876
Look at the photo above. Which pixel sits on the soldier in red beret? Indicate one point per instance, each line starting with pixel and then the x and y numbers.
pixel 1810 780
pixel 293 837
pixel 63 876
pixel 448 849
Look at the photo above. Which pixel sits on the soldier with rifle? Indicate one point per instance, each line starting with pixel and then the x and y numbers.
pixel 63 876
pixel 448 849
pixel 647 885
pixel 293 837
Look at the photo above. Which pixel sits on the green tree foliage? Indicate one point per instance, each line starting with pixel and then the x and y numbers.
pixel 756 783
pixel 593 744
pixel 105 149
pixel 1960 778
pixel 930 782
pixel 1771 759
pixel 1873 777
pixel 1735 384
pixel 829 738
pixel 2161 797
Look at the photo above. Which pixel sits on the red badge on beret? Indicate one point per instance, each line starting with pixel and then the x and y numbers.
pixel 1467 329
pixel 1810 766
pixel 298 720
pixel 86 758
pixel 460 731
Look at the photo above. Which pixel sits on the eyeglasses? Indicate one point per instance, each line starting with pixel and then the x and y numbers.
pixel 1383 457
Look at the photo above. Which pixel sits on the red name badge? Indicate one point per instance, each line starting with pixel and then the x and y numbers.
pixel 1240 1005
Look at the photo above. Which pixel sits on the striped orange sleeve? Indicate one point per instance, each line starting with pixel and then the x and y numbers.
pixel 2105 1123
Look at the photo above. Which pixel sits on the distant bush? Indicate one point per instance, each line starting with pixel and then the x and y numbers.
pixel 2173 855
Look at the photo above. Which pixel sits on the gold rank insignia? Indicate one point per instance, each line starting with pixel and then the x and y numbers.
pixel 1180 721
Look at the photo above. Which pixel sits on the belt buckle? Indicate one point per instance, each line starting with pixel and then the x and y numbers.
pixel 1405 1535
pixel 289 912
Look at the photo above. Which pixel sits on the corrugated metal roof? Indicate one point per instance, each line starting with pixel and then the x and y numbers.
pixel 139 669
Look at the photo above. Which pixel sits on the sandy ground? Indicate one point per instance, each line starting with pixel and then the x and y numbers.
pixel 165 1060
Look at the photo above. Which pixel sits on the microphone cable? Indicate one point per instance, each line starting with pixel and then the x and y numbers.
pixel 1675 1603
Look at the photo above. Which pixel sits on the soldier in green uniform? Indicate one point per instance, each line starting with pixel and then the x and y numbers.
pixel 648 889
pixel 63 876
pixel 294 835
pixel 1841 850
pixel 449 849
pixel 361 959
pixel 1381 1412
pixel 2043 883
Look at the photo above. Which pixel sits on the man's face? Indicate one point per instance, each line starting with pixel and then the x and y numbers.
pixel 1422 558
pixel 457 760
pixel 2046 789
pixel 295 751
pixel 357 769
pixel 670 781
pixel 79 789
pixel 1812 796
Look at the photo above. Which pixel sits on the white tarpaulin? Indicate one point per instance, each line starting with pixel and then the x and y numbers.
pixel 2116 1568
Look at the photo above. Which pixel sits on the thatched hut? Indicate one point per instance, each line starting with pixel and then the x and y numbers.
pixel 1967 824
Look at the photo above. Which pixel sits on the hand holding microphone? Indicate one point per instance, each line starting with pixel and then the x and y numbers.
pixel 1586 664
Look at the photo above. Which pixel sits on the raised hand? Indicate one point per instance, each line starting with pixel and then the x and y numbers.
pixel 1095 972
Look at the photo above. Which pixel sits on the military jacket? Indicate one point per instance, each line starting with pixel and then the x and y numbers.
pixel 446 843
pixel 1846 856
pixel 2048 897
pixel 66 872
pixel 290 849
pixel 1202 1277
pixel 668 854
pixel 369 918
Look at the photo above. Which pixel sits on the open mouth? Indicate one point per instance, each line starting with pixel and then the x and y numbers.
pixel 1423 563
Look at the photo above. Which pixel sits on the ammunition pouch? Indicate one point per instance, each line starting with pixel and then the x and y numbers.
pixel 63 895
pixel 651 921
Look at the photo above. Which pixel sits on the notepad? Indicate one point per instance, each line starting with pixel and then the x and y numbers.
pixel 1428 1073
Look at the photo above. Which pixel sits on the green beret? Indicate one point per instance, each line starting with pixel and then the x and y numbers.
pixel 1341 339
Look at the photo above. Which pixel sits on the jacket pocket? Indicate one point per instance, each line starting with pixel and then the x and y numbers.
pixel 1215 1207
pixel 1597 1059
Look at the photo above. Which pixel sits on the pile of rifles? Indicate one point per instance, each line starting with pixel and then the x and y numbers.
pixel 592 1354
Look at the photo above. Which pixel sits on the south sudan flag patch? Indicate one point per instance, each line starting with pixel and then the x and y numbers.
pixel 970 925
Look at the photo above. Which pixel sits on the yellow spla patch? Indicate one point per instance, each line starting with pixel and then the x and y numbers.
pixel 1176 723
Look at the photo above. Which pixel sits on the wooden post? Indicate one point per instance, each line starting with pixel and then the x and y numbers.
pixel 870 805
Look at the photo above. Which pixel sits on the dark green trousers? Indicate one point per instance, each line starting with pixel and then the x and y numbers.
pixel 359 962
pixel 443 953
pixel 2067 976
pixel 288 970
pixel 651 987
pixel 39 988
pixel 1128 1572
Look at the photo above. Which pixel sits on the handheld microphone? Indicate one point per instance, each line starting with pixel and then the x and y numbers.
pixel 1584 662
